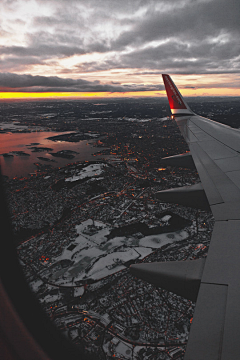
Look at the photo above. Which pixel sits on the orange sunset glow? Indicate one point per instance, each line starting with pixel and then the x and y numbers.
pixel 54 95
pixel 76 95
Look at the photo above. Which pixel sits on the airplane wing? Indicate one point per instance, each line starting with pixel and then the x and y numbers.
pixel 214 282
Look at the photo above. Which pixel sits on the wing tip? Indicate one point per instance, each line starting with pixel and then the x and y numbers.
pixel 176 102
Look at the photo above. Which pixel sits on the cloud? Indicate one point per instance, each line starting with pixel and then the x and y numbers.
pixel 186 58
pixel 26 83
pixel 13 62
pixel 189 21
pixel 174 57
pixel 176 36
pixel 41 51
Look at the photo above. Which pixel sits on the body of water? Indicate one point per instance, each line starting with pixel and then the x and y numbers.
pixel 20 165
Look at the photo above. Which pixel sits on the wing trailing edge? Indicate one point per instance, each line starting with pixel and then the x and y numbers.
pixel 193 196
pixel 181 160
pixel 181 277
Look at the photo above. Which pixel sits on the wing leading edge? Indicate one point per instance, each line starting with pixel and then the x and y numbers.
pixel 215 149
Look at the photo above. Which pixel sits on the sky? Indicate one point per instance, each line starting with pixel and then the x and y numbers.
pixel 52 48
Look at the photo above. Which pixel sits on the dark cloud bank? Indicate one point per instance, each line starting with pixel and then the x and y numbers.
pixel 15 82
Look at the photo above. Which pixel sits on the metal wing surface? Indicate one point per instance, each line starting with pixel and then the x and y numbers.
pixel 215 149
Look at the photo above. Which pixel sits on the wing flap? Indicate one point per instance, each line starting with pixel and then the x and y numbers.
pixel 205 339
pixel 208 170
pixel 181 277
pixel 230 341
pixel 216 318
pixel 222 264
pixel 213 195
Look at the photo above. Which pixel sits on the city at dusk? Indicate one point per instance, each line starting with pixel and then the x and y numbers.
pixel 81 179
pixel 120 179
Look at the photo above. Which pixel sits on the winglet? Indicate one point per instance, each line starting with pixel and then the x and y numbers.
pixel 177 105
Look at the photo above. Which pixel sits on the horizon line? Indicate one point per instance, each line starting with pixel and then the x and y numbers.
pixel 28 96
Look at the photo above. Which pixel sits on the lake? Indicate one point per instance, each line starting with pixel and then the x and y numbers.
pixel 20 165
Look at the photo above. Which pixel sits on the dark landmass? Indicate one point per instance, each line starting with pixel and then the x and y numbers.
pixel 72 137
pixel 10 130
pixel 66 154
pixel 20 153
pixel 7 155
pixel 40 149
pixel 45 159
pixel 25 131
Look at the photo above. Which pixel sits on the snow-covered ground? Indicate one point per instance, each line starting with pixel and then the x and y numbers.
pixel 156 241
pixel 94 256
pixel 88 171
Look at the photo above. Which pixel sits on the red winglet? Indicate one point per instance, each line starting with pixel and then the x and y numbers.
pixel 176 102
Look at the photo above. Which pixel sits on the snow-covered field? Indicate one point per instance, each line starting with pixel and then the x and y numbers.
pixel 88 171
pixel 156 241
pixel 93 256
